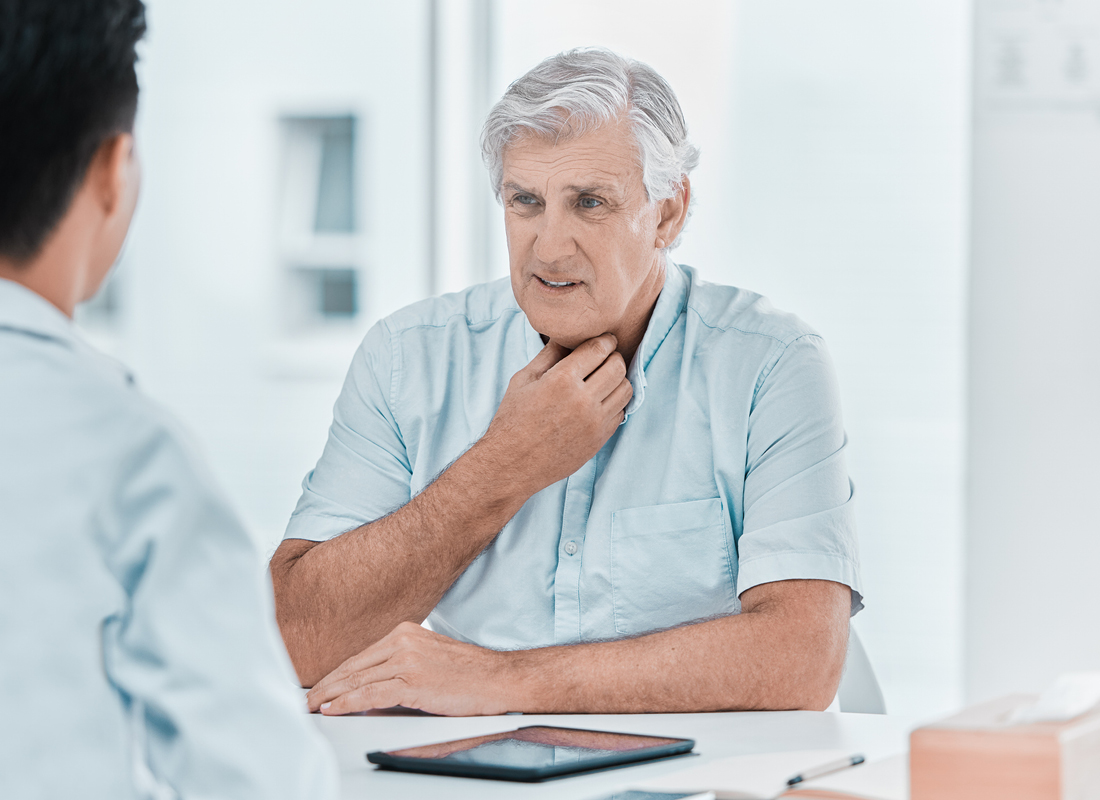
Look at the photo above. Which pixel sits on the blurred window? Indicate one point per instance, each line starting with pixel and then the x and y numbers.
pixel 336 184
pixel 319 241
pixel 336 295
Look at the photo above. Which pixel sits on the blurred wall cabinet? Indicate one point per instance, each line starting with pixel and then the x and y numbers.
pixel 322 302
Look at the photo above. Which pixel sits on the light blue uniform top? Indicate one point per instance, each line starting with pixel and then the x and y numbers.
pixel 138 650
pixel 728 472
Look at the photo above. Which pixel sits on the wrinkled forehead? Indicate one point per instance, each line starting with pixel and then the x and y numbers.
pixel 607 153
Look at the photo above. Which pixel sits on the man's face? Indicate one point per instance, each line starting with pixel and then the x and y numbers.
pixel 582 235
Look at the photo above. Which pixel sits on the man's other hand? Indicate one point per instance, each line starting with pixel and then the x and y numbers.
pixel 558 412
pixel 416 668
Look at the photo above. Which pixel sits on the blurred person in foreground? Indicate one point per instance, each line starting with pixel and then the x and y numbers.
pixel 140 656
pixel 609 485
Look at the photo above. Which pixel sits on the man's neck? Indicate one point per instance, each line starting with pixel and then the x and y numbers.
pixel 59 271
pixel 645 300
pixel 57 289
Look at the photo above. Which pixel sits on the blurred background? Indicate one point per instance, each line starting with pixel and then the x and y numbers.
pixel 917 179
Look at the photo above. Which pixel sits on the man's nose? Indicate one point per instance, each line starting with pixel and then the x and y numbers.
pixel 554 237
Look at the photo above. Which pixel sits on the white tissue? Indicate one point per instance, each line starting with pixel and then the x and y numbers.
pixel 1069 696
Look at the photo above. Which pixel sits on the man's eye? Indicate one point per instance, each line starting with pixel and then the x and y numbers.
pixel 525 200
pixel 590 202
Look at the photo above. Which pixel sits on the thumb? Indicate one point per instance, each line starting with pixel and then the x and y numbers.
pixel 547 357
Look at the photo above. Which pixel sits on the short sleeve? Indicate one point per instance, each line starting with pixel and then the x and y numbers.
pixel 364 472
pixel 799 518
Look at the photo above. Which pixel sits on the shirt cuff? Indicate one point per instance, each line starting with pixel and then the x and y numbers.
pixel 794 565
pixel 319 527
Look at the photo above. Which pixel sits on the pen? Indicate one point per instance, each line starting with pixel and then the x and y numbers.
pixel 825 769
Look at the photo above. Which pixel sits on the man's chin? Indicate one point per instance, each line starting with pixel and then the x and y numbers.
pixel 569 322
pixel 551 328
pixel 568 340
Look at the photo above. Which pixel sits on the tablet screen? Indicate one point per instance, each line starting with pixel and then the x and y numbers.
pixel 531 752
pixel 534 747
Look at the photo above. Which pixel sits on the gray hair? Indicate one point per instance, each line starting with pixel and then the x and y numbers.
pixel 580 90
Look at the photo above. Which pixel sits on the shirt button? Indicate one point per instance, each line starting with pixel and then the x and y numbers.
pixel 571 547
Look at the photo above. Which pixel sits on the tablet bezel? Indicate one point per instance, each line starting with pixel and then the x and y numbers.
pixel 439 766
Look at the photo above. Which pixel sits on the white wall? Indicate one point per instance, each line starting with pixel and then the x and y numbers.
pixel 1033 590
pixel 848 205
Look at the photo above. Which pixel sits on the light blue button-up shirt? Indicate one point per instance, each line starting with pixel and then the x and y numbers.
pixel 138 650
pixel 727 473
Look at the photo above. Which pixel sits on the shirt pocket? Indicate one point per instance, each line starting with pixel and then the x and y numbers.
pixel 670 564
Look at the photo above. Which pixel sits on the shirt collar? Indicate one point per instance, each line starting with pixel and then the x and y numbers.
pixel 669 307
pixel 28 312
pixel 670 304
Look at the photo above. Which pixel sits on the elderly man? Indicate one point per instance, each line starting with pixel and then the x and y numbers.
pixel 609 485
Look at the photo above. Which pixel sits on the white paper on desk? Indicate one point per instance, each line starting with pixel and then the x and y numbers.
pixel 764 777
pixel 755 777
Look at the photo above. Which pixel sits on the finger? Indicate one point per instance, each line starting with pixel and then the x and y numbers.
pixel 620 396
pixel 547 357
pixel 322 690
pixel 377 653
pixel 385 694
pixel 607 377
pixel 351 683
pixel 588 356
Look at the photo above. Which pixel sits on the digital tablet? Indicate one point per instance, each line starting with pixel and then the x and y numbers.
pixel 533 753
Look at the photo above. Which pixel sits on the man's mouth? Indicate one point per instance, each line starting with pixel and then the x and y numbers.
pixel 556 284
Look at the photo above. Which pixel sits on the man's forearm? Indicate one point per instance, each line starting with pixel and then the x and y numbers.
pixel 784 651
pixel 334 598
pixel 777 655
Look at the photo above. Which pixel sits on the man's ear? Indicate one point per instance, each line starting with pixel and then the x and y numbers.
pixel 673 215
pixel 113 175
pixel 110 192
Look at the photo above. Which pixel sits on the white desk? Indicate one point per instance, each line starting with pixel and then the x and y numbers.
pixel 716 736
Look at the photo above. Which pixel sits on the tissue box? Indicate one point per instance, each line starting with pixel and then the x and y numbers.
pixel 975 754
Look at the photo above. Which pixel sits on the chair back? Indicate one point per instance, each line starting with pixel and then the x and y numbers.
pixel 859 690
